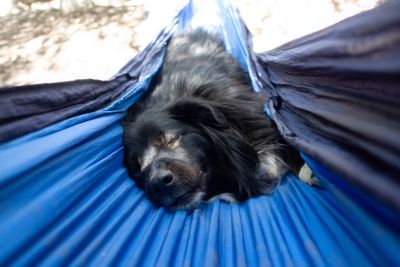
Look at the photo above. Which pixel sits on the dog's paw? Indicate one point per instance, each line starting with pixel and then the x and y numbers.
pixel 306 175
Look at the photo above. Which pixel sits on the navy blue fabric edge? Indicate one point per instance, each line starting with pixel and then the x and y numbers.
pixel 334 95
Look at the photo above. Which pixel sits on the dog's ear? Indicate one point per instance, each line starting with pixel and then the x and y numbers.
pixel 199 113
pixel 235 159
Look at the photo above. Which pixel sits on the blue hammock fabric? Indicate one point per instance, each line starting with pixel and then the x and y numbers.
pixel 66 199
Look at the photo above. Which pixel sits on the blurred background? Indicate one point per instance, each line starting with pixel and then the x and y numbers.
pixel 59 40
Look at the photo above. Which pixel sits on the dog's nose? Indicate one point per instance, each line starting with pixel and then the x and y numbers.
pixel 161 183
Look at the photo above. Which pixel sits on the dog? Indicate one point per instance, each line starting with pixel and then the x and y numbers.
pixel 201 132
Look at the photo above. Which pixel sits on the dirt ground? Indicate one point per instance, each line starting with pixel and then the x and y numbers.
pixel 44 44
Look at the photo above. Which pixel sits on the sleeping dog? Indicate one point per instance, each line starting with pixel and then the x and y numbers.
pixel 201 133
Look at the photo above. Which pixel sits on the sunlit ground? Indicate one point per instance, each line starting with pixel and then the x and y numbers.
pixel 47 45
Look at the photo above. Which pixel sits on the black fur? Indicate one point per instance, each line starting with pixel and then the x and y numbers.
pixel 204 97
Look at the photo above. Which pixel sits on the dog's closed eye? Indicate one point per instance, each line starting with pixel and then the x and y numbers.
pixel 169 140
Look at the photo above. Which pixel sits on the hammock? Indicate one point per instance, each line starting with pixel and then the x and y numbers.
pixel 66 199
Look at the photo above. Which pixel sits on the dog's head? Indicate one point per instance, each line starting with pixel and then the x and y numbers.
pixel 167 159
pixel 187 152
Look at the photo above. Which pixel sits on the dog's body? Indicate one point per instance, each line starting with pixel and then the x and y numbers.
pixel 201 132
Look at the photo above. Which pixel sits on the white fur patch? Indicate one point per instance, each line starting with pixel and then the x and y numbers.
pixel 148 156
pixel 270 165
pixel 227 197
pixel 198 50
pixel 198 197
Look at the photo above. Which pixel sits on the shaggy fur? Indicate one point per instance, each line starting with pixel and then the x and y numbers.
pixel 201 131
